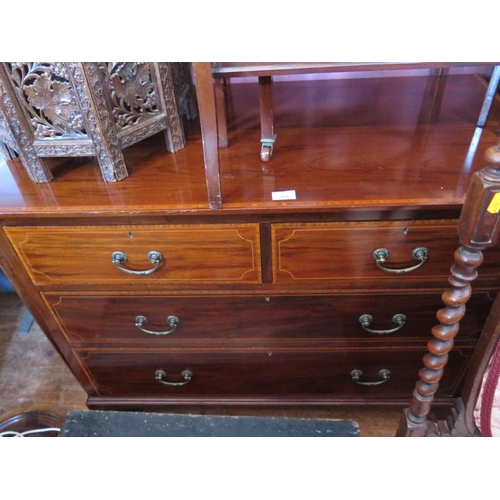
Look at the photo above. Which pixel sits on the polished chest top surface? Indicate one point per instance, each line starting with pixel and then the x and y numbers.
pixel 375 146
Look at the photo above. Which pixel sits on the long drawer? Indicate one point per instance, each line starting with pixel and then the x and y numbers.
pixel 219 253
pixel 375 254
pixel 172 318
pixel 252 373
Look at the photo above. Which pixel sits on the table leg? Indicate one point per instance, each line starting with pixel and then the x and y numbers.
pixel 268 137
pixel 208 121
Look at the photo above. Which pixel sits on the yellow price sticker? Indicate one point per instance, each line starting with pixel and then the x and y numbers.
pixel 494 206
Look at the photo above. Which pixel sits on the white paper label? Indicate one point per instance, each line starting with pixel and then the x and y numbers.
pixel 284 195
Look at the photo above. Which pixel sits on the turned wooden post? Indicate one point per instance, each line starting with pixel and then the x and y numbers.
pixel 478 230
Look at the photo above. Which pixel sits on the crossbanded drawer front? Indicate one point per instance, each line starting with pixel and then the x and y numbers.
pixel 129 254
pixel 170 319
pixel 369 374
pixel 330 253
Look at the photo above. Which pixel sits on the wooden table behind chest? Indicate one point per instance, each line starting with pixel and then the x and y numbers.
pixel 155 299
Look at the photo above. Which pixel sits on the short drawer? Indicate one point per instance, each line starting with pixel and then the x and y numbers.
pixel 237 374
pixel 188 254
pixel 344 253
pixel 85 317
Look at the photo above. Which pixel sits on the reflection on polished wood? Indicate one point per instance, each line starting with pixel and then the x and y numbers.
pixel 330 133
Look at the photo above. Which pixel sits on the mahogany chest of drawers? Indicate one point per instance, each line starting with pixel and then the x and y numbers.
pixel 203 325
pixel 154 299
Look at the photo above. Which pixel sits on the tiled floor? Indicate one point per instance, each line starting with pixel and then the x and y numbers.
pixel 33 377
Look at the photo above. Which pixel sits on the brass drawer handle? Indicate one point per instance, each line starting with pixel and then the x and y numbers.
pixel 357 374
pixel 381 255
pixel 366 319
pixel 186 375
pixel 119 258
pixel 173 321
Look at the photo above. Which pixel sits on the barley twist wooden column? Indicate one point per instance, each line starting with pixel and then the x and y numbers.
pixel 478 230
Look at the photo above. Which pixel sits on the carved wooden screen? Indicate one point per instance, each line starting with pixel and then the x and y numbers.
pixel 85 109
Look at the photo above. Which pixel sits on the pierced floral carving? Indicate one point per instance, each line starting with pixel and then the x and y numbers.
pixel 132 93
pixel 48 98
pixel 85 109
pixel 132 85
pixel 54 100
pixel 89 84
pixel 36 169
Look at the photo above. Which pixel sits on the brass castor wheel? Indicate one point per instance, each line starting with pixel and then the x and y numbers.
pixel 266 153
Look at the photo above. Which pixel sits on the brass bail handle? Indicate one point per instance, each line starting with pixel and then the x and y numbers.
pixel 187 375
pixel 119 258
pixel 366 319
pixel 382 254
pixel 141 321
pixel 357 374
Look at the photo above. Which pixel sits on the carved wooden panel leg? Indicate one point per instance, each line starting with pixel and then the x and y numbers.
pixel 174 131
pixel 90 87
pixel 19 132
pixel 478 230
